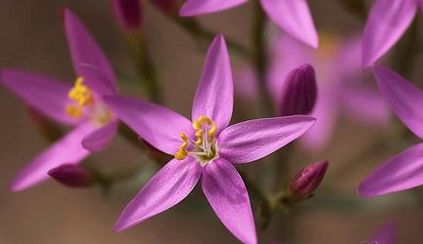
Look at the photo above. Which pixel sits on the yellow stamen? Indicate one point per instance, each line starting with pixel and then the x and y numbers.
pixel 82 95
pixel 182 152
pixel 74 111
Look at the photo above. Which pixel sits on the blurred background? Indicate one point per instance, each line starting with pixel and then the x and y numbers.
pixel 32 39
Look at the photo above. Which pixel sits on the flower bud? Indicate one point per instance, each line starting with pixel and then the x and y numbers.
pixel 169 7
pixel 72 175
pixel 300 91
pixel 307 180
pixel 128 14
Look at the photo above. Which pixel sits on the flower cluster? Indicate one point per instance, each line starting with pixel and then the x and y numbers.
pixel 301 86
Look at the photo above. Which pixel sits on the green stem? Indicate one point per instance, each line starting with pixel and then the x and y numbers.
pixel 145 66
pixel 260 61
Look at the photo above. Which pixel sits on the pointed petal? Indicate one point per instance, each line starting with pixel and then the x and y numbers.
pixel 159 126
pixel 100 138
pixel 167 188
pixel 45 94
pixel 254 139
pixel 226 192
pixel 67 150
pixel 195 7
pixel 405 99
pixel 84 50
pixel 97 80
pixel 402 172
pixel 387 22
pixel 294 17
pixel 214 95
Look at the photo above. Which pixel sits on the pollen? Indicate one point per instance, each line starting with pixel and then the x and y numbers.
pixel 82 95
pixel 204 147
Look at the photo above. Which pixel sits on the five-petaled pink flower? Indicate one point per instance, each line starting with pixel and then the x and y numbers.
pixel 80 106
pixel 293 16
pixel 405 170
pixel 387 22
pixel 205 149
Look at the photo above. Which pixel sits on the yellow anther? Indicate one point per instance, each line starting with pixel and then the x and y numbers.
pixel 74 111
pixel 212 130
pixel 80 93
pixel 182 151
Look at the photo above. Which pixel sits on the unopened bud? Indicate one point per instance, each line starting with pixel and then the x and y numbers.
pixel 168 7
pixel 72 175
pixel 128 14
pixel 307 181
pixel 300 91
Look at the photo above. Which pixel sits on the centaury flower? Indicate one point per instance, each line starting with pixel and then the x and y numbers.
pixel 293 16
pixel 388 20
pixel 204 149
pixel 405 170
pixel 80 106
pixel 340 90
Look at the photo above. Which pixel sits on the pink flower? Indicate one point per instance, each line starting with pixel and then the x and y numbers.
pixel 388 20
pixel 80 106
pixel 205 149
pixel 405 170
pixel 293 16
pixel 341 90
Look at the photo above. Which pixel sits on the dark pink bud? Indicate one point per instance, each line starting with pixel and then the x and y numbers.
pixel 300 91
pixel 72 175
pixel 307 180
pixel 166 6
pixel 128 14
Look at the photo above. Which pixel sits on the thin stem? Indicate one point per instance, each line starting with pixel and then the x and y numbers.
pixel 145 66
pixel 260 61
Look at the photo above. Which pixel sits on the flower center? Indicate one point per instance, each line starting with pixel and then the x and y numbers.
pixel 204 149
pixel 82 96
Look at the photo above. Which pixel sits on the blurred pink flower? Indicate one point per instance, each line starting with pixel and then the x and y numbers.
pixel 387 22
pixel 405 170
pixel 293 16
pixel 384 235
pixel 339 82
pixel 206 148
pixel 80 106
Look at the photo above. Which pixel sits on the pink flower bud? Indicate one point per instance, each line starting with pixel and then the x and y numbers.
pixel 128 14
pixel 72 175
pixel 300 91
pixel 307 180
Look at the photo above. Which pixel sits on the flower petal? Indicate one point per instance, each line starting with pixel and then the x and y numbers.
pixel 67 150
pixel 402 172
pixel 45 94
pixel 97 80
pixel 228 196
pixel 254 139
pixel 405 99
pixel 84 50
pixel 159 126
pixel 294 17
pixel 214 95
pixel 387 22
pixel 195 7
pixel 167 188
pixel 100 138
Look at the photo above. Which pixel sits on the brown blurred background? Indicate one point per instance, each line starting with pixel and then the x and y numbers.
pixel 32 39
